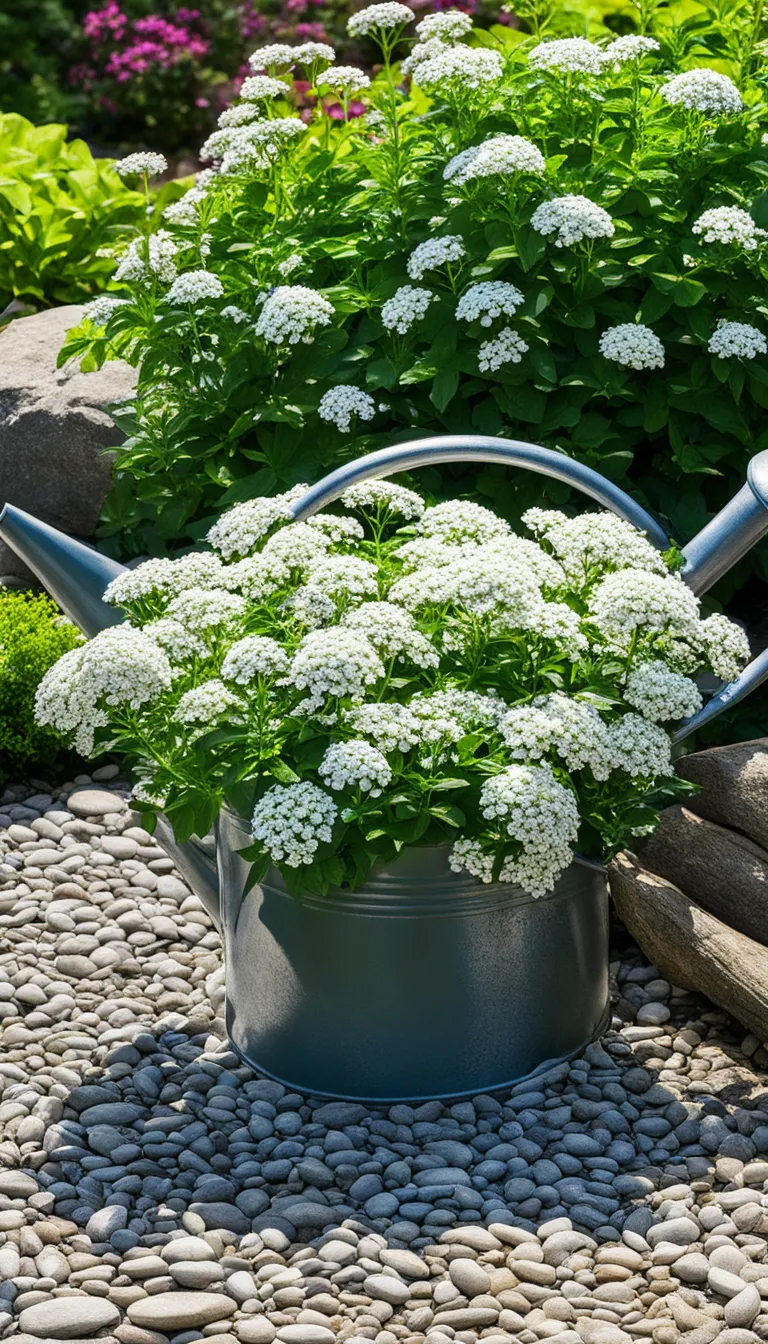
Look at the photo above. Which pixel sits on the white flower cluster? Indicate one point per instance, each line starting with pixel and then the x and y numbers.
pixel 252 657
pixel 571 728
pixel 661 694
pixel 434 253
pixel 258 89
pixel 276 56
pixel 337 527
pixel 631 47
pixel 392 632
pixel 343 80
pixel 295 548
pixel 145 260
pixel 384 495
pixel 378 18
pixel 487 300
pixel 703 90
pixel 567 55
pixel 290 263
pixel 632 345
pixel 572 219
pixel 176 640
pixel 291 314
pixel 207 609
pixel 594 542
pixel 633 600
pixel 506 348
pixel 503 154
pixel 291 821
pixel 737 340
pixel 422 51
pixel 335 662
pixel 311 607
pixel 640 748
pixel 118 667
pixel 725 644
pixel 392 727
pixel 537 812
pixel 448 715
pixel 339 404
pixel 255 145
pixel 101 309
pixel 728 224
pixel 344 576
pixel 309 53
pixel 239 529
pixel 407 305
pixel 558 622
pixel 209 703
pixel 458 69
pixel 355 765
pixel 142 162
pixel 460 520
pixel 198 570
pixel 448 26
pixel 244 112
pixel 194 287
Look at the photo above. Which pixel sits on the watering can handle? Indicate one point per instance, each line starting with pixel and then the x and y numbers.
pixel 479 448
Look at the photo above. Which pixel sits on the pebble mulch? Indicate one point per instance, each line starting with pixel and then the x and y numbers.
pixel 154 1189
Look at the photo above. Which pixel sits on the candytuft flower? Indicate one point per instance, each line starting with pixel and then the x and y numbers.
pixel 194 287
pixel 661 694
pixel 454 70
pixel 339 404
pixel 142 162
pixel 501 154
pixel 447 26
pixel 291 314
pixel 487 300
pixel 567 55
pixel 633 346
pixel 506 348
pixel 375 495
pixel 407 305
pixel 379 18
pixel 433 254
pixel 259 89
pixel 737 340
pixel 631 47
pixel 703 90
pixel 277 56
pixel 343 80
pixel 355 765
pixel 572 219
pixel 728 224
pixel 292 821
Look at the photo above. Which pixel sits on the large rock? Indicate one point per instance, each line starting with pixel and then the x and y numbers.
pixel 691 947
pixel 54 428
pixel 734 786
pixel 726 872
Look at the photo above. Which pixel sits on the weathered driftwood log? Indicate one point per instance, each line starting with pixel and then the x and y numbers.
pixel 725 871
pixel 734 786
pixel 691 947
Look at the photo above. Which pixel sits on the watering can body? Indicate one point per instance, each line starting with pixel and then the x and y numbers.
pixel 311 990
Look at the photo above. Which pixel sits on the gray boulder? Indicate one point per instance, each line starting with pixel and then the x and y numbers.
pixel 55 432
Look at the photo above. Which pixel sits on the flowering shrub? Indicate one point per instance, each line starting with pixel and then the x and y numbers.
pixel 33 635
pixel 397 675
pixel 532 239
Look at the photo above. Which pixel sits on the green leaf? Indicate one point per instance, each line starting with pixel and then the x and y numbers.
pixel 444 388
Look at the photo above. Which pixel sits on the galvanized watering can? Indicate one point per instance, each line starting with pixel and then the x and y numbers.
pixel 424 982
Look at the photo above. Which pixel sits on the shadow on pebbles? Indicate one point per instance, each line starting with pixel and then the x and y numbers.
pixel 154 1189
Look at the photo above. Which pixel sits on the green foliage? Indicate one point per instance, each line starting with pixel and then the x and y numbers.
pixel 33 635
pixel 37 43
pixel 63 215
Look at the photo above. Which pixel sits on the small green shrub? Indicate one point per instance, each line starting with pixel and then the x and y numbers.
pixel 61 214
pixel 33 635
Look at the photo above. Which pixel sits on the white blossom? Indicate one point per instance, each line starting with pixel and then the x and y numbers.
pixel 434 253
pixel 148 259
pixel 238 530
pixel 407 305
pixel 567 55
pixel 194 287
pixel 277 55
pixel 334 662
pixel 725 644
pixel 374 495
pixel 506 348
pixel 594 542
pixel 235 314
pixel 728 224
pixel 422 51
pixel 572 219
pixel 393 632
pixel 252 657
pixel 180 643
pixel 207 609
pixel 343 80
pixel 487 300
pixel 392 727
pixel 339 404
pixel 309 53
pixel 499 587
pixel 737 340
pixel 448 715
pixel 355 764
pixel 142 162
pixel 661 694
pixel 311 607
pixel 460 520
pixel 459 68
pixel 120 666
pixel 537 812
pixel 102 308
pixel 337 526
pixel 259 89
pixel 502 154
pixel 558 622
pixel 633 600
pixel 448 25
pixel 295 547
pixel 291 821
pixel 253 146
pixel 208 704
pixel 377 18
pixel 571 728
pixel 631 47
pixel 290 263
pixel 256 578
pixel 200 569
pixel 344 576
pixel 242 113
pixel 632 345
pixel 703 90
pixel 640 748
pixel 291 314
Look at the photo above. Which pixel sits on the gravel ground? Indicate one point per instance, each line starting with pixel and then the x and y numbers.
pixel 152 1188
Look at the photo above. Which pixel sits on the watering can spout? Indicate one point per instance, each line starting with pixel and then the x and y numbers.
pixel 732 532
pixel 74 574
pixel 196 861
